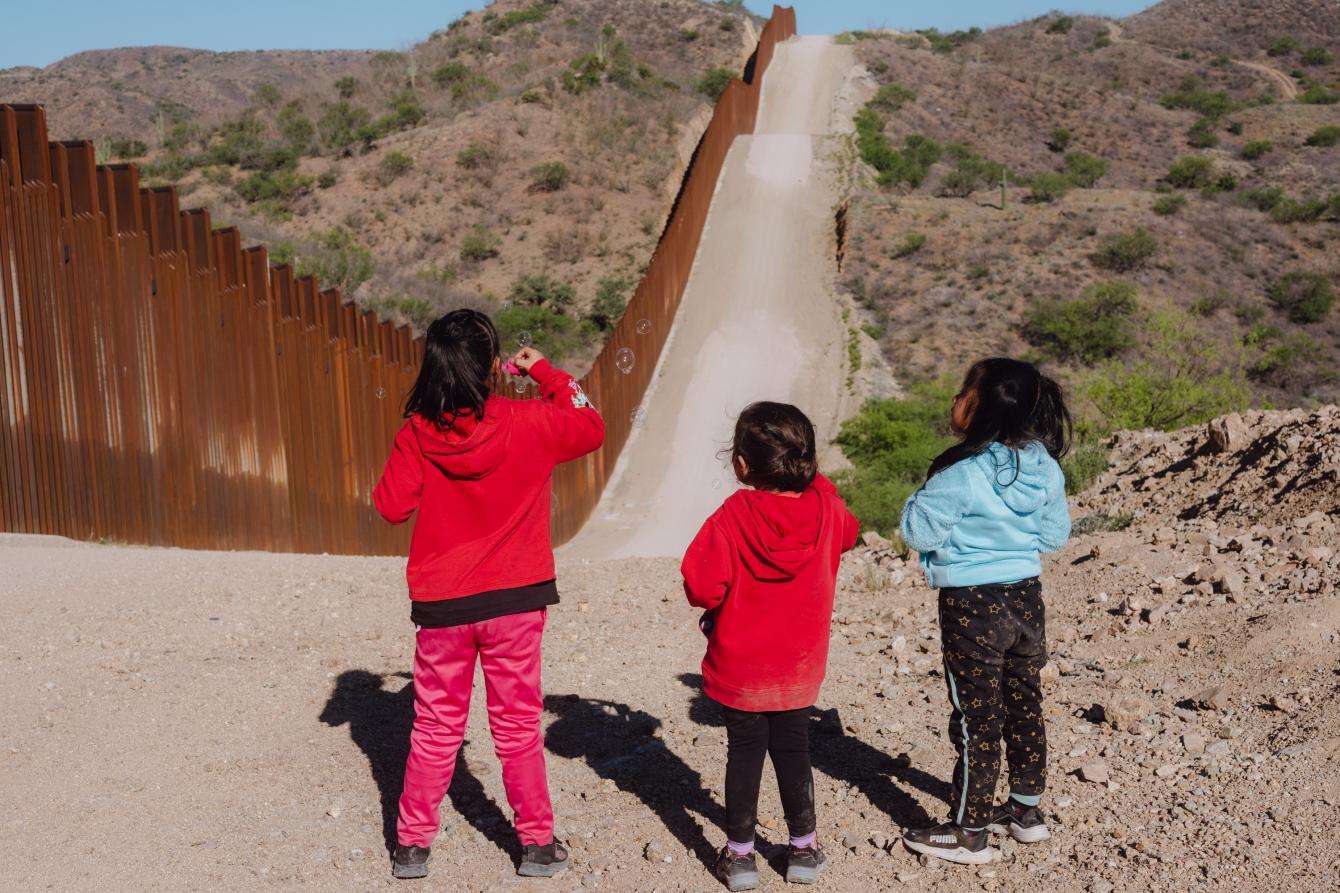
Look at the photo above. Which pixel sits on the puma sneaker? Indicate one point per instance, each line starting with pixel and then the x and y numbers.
pixel 1024 823
pixel 951 843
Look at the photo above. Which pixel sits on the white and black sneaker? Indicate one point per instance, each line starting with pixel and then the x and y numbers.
pixel 951 843
pixel 1024 823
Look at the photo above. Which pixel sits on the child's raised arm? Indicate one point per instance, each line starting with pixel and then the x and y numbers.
pixel 574 426
pixel 934 509
pixel 707 568
pixel 396 495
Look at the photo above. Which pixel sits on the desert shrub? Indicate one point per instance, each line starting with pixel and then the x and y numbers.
pixel 1059 139
pixel 549 177
pixel 392 166
pixel 1202 135
pixel 688 35
pixel 476 156
pixel 479 244
pixel 124 147
pixel 269 94
pixel 1326 135
pixel 911 244
pixel 890 444
pixel 327 178
pixel 1191 94
pixel 517 17
pixel 947 43
pixel 540 290
pixel 1191 172
pixel 339 125
pixel 1283 46
pixel 1256 149
pixel 241 142
pixel 1209 305
pixel 1102 40
pixel 611 298
pixel 970 171
pixel 463 83
pixel 1317 94
pixel 1167 205
pixel 1060 25
pixel 907 165
pixel 280 186
pixel 1099 522
pixel 1263 198
pixel 1317 56
pixel 555 334
pixel 419 312
pixel 1085 169
pixel 1048 186
pixel 336 260
pixel 1292 210
pixel 1182 378
pixel 346 87
pixel 1234 127
pixel 295 127
pixel 713 83
pixel 1295 361
pixel 1088 458
pixel 1124 252
pixel 1092 327
pixel 892 97
pixel 1303 297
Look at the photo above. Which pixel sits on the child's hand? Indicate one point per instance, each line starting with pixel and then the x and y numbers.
pixel 525 358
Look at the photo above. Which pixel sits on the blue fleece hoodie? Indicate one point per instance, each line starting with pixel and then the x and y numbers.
pixel 977 521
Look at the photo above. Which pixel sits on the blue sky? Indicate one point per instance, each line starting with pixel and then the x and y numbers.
pixel 37 33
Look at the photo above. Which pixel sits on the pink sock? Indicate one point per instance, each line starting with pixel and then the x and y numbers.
pixel 740 849
pixel 801 843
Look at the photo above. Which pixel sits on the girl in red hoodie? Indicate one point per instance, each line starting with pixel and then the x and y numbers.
pixel 476 467
pixel 764 567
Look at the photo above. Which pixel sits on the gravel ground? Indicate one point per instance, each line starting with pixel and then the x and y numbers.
pixel 238 721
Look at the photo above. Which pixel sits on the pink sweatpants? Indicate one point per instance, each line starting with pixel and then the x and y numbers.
pixel 444 669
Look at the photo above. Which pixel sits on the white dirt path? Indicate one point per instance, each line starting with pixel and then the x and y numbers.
pixel 759 319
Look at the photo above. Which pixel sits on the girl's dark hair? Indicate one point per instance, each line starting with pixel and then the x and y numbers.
pixel 1014 404
pixel 776 441
pixel 458 355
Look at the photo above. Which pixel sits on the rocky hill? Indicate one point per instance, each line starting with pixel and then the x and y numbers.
pixel 521 159
pixel 1169 205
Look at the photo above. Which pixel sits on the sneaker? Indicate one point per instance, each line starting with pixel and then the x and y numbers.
pixel 543 861
pixel 951 843
pixel 736 872
pixel 1024 823
pixel 410 861
pixel 805 864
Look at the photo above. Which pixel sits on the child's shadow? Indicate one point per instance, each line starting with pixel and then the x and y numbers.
pixel 616 741
pixel 379 724
pixel 848 759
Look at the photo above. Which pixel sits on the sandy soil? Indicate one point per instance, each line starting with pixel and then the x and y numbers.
pixel 759 319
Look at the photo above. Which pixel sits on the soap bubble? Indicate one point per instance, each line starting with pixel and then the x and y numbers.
pixel 643 326
pixel 519 384
pixel 623 360
pixel 716 483
pixel 639 416
pixel 381 392
pixel 524 340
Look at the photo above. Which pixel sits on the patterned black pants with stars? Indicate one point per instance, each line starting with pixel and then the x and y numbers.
pixel 994 641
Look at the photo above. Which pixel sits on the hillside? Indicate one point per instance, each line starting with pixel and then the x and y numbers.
pixel 522 159
pixel 1168 221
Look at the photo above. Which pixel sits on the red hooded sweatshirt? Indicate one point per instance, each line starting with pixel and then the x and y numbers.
pixel 482 488
pixel 766 565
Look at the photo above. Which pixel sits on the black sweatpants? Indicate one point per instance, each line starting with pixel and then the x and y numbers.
pixel 785 736
pixel 994 641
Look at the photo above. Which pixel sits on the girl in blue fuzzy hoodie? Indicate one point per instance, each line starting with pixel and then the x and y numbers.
pixel 990 505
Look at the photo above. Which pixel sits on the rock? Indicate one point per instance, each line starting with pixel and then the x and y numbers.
pixel 1095 772
pixel 1218 749
pixel 1049 673
pixel 1226 433
pixel 1065 801
pixel 1166 770
pixel 1213 698
pixel 872 539
pixel 881 841
pixel 1127 712
pixel 1098 885
pixel 1193 743
pixel 851 842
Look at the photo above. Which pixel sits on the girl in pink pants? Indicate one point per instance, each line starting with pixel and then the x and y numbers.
pixel 476 467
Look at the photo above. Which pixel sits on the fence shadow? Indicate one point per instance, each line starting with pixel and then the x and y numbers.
pixel 878 776
pixel 616 741
pixel 379 724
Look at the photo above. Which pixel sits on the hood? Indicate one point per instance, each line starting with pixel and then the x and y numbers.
pixel 779 535
pixel 471 448
pixel 1023 492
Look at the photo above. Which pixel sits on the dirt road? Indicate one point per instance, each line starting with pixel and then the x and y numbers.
pixel 759 319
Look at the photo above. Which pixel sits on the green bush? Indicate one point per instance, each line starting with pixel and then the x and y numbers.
pixel 890 444
pixel 907 165
pixel 1060 25
pixel 476 156
pixel 1089 328
pixel 1303 297
pixel 1264 198
pixel 479 244
pixel 123 147
pixel 1317 94
pixel 1102 40
pixel 911 244
pixel 269 94
pixel 1167 205
pixel 1283 46
pixel 947 43
pixel 1191 172
pixel 1125 252
pixel 281 186
pixel 464 84
pixel 611 298
pixel 1317 56
pixel 517 17
pixel 392 166
pixel 1059 140
pixel 1202 135
pixel 346 87
pixel 892 97
pixel 1088 459
pixel 1256 149
pixel 1049 186
pixel 713 83
pixel 549 177
pixel 1292 210
pixel 295 127
pixel 1324 136
pixel 553 333
pixel 339 125
pixel 1085 169
pixel 539 290
pixel 336 260
pixel 1191 94
pixel 1209 305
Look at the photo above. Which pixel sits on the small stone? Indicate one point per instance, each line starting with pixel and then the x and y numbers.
pixel 335 811
pixel 1193 743
pixel 1095 772
pixel 1098 885
pixel 1127 712
pixel 1213 698
pixel 1049 673
pixel 1065 801
pixel 1166 770
pixel 872 539
pixel 851 842
pixel 1226 433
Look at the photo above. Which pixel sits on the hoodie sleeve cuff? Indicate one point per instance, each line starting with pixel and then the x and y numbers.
pixel 543 372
